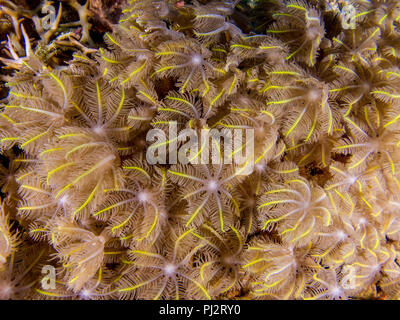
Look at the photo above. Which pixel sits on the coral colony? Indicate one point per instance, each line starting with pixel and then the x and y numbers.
pixel 315 84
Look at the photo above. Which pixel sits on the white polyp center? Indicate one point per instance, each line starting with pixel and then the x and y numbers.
pixel 259 167
pixel 141 57
pixel 212 185
pixel 169 269
pixel 292 253
pixel 314 95
pixel 362 221
pixel 196 59
pixel 395 203
pixel 143 196
pixel 341 235
pixel 63 200
pixel 98 130
pixel 336 291
pixel 376 268
pixel 85 293
pixel 352 179
pixel 224 9
pixel 5 291
pixel 305 205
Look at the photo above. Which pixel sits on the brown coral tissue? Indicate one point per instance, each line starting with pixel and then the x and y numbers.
pixel 86 215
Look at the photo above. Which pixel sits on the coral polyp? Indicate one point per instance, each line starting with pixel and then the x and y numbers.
pixel 84 103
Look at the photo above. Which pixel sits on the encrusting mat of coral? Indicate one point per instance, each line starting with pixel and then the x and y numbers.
pixel 316 82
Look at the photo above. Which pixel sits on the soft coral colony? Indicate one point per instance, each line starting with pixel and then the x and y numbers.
pixel 317 219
